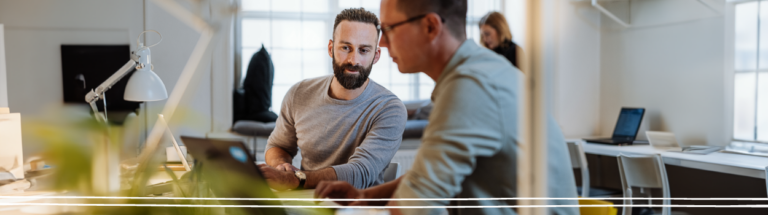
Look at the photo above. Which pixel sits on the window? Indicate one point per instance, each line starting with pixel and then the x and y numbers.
pixel 750 117
pixel 296 34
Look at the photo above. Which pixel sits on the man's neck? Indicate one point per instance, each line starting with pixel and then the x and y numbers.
pixel 337 91
pixel 442 56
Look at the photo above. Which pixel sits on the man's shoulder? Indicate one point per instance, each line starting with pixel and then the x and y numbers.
pixel 485 67
pixel 382 93
pixel 485 62
pixel 311 84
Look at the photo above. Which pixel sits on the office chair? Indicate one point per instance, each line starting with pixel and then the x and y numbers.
pixel 579 161
pixel 643 171
pixel 392 172
pixel 766 178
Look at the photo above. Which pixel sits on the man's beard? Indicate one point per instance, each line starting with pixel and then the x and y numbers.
pixel 351 81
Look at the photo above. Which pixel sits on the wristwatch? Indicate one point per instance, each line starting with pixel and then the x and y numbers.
pixel 302 178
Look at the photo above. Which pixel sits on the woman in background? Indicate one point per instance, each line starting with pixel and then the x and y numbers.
pixel 495 35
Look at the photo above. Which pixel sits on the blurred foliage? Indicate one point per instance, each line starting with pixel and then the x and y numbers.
pixel 68 147
pixel 68 137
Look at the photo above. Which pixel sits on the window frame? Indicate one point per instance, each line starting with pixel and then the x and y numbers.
pixel 414 82
pixel 296 16
pixel 729 78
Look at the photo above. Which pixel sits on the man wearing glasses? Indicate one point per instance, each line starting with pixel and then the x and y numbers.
pixel 347 126
pixel 469 149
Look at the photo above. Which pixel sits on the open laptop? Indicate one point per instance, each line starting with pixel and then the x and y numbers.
pixel 626 128
pixel 231 172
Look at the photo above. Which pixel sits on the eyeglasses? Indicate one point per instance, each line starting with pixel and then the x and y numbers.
pixel 385 29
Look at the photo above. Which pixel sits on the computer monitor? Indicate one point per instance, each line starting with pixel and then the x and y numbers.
pixel 629 123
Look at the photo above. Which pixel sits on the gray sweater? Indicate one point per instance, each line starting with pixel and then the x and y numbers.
pixel 357 137
pixel 469 149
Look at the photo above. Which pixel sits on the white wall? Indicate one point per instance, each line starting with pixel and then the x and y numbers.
pixel 35 30
pixel 3 80
pixel 670 61
pixel 670 64
pixel 222 72
pixel 576 83
pixel 170 58
pixel 207 103
pixel 514 11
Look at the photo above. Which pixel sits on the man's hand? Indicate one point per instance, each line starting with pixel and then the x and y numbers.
pixel 279 180
pixel 286 167
pixel 339 190
pixel 344 190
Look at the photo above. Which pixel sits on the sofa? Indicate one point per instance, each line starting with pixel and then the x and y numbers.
pixel 418 112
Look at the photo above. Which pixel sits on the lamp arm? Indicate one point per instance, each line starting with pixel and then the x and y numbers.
pixel 95 94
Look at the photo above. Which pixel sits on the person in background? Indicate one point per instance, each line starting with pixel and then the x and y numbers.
pixel 495 35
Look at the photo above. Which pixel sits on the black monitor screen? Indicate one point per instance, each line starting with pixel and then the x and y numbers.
pixel 84 67
pixel 628 123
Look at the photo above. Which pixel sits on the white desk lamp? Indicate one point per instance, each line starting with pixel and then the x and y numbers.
pixel 144 85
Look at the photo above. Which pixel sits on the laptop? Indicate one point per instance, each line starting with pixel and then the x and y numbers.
pixel 626 128
pixel 231 172
pixel 666 141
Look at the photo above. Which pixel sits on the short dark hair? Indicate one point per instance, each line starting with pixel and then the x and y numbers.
pixel 453 11
pixel 357 15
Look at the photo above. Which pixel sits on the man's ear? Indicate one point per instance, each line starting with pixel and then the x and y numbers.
pixel 433 25
pixel 378 54
pixel 330 48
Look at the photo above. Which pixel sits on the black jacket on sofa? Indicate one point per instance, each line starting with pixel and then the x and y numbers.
pixel 253 100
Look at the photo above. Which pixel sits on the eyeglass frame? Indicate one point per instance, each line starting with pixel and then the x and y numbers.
pixel 385 29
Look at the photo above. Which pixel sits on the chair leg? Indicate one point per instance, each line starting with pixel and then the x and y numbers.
pixel 666 210
pixel 627 201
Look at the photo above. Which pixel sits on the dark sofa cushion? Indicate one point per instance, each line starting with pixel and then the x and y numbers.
pixel 253 128
pixel 414 128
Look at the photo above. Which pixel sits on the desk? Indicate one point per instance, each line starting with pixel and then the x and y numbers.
pixel 723 162
pixel 25 210
pixel 715 175
pixel 296 194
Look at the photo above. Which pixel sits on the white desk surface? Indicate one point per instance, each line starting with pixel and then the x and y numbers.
pixel 24 210
pixel 723 162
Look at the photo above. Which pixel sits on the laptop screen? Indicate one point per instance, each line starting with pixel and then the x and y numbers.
pixel 628 123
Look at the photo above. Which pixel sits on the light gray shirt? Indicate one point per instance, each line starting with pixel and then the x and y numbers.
pixel 469 148
pixel 357 137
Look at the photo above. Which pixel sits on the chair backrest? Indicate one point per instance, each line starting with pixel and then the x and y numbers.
pixel 766 177
pixel 392 172
pixel 579 160
pixel 644 171
pixel 576 152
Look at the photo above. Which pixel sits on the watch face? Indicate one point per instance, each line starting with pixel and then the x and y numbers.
pixel 301 175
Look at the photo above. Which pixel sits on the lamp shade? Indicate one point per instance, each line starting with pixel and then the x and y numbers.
pixel 145 86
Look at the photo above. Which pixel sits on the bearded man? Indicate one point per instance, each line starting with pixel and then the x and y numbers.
pixel 346 126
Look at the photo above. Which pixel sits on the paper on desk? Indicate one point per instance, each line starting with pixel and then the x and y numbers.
pixel 702 150
pixel 11 157
pixel 15 187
